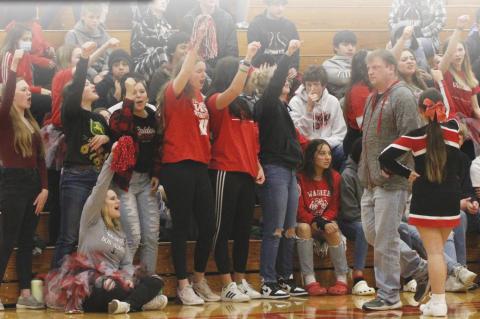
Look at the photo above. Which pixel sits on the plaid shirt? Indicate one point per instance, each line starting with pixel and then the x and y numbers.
pixel 427 16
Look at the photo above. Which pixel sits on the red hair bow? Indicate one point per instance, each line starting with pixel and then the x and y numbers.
pixel 435 111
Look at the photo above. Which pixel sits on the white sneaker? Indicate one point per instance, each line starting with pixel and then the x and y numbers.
pixel 157 303
pixel 410 286
pixel 434 309
pixel 231 293
pixel 454 285
pixel 203 290
pixel 188 297
pixel 465 276
pixel 116 306
pixel 361 288
pixel 245 287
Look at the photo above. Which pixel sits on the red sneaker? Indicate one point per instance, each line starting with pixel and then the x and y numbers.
pixel 314 289
pixel 340 288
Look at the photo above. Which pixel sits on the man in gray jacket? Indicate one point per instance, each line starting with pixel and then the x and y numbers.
pixel 390 112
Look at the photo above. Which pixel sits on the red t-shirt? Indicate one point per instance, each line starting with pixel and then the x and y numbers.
pixel 317 200
pixel 358 97
pixel 235 141
pixel 460 100
pixel 186 128
pixel 59 81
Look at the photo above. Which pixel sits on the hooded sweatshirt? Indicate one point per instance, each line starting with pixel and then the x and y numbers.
pixel 352 192
pixel 338 70
pixel 79 35
pixel 326 121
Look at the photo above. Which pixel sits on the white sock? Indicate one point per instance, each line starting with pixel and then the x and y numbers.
pixel 342 278
pixel 308 279
pixel 438 298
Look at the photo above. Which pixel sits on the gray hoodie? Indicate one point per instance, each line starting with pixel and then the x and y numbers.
pixel 95 239
pixel 381 126
pixel 338 70
pixel 352 192
pixel 326 121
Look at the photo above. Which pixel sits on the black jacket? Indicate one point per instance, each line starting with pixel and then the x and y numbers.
pixel 225 29
pixel 106 92
pixel 274 35
pixel 278 138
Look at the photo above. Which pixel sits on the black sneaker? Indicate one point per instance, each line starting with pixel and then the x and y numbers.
pixel 423 287
pixel 271 290
pixel 380 304
pixel 290 287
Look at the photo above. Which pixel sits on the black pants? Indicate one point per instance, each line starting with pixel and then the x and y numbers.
pixel 350 138
pixel 189 192
pixel 18 190
pixel 234 205
pixel 53 205
pixel 142 293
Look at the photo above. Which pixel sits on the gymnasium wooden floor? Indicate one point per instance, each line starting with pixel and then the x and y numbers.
pixel 461 305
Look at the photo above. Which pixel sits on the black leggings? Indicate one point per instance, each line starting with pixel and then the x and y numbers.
pixel 189 193
pixel 234 205
pixel 18 189
pixel 143 292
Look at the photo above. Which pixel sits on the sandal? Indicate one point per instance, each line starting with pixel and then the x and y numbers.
pixel 361 288
pixel 340 288
pixel 315 289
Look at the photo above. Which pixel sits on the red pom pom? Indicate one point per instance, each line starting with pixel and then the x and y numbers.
pixel 124 155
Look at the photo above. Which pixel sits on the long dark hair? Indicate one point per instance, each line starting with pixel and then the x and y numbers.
pixel 225 72
pixel 12 37
pixel 416 78
pixel 436 155
pixel 308 167
pixel 359 74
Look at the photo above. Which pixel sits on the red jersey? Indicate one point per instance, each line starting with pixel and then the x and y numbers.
pixel 235 141
pixel 460 100
pixel 316 199
pixel 59 81
pixel 186 128
pixel 357 98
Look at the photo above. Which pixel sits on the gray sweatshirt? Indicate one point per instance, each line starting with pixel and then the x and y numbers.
pixel 338 70
pixel 383 123
pixel 95 239
pixel 352 192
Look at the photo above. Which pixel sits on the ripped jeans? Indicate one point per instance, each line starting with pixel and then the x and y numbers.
pixel 279 200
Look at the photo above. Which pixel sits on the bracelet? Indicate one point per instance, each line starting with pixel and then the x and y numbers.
pixel 246 63
pixel 243 68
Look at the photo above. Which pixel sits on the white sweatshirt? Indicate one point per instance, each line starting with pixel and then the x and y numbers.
pixel 326 121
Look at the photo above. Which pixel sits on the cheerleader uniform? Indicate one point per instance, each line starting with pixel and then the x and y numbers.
pixel 433 204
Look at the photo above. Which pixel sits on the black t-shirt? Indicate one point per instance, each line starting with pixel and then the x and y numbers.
pixel 145 130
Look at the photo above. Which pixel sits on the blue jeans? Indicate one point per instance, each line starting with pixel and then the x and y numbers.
pixel 140 218
pixel 459 234
pixel 279 200
pixel 354 231
pixel 338 158
pixel 75 187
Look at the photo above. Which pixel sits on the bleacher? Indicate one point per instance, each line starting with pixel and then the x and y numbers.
pixel 317 21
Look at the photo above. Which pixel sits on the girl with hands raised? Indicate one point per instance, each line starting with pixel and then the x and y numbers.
pixel 23 180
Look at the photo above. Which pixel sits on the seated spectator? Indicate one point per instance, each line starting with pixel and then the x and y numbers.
pixel 318 208
pixel 349 218
pixel 317 114
pixel 427 17
pixel 89 28
pixel 473 40
pixel 20 37
pixel 224 27
pixel 274 32
pixel 42 53
pixel 177 45
pixel 109 90
pixel 150 32
pixel 356 96
pixel 340 65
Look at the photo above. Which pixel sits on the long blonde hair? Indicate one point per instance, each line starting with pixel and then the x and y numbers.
pixel 470 78
pixel 22 135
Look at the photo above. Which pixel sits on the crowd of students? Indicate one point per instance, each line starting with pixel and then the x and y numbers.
pixel 323 151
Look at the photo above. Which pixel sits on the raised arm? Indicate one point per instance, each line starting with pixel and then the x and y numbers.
pixel 275 86
pixel 92 210
pixel 236 87
pixel 9 92
pixel 400 45
pixel 73 98
pixel 462 23
pixel 110 44
pixel 121 121
pixel 188 65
